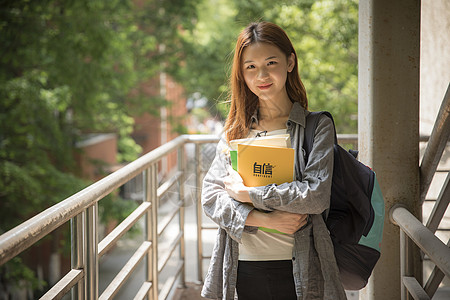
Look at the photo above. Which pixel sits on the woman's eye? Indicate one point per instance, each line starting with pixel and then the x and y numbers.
pixel 250 67
pixel 271 63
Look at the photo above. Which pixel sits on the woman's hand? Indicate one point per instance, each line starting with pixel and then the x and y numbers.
pixel 280 220
pixel 286 222
pixel 235 187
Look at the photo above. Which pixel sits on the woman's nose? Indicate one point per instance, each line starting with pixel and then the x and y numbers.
pixel 263 73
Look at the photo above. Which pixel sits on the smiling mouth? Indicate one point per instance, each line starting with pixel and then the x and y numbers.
pixel 264 86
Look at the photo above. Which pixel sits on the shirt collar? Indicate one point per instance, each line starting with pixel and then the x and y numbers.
pixel 298 114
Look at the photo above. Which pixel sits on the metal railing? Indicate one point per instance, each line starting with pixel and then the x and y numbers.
pixel 411 228
pixel 81 210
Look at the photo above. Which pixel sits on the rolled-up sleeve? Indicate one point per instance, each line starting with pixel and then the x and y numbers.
pixel 226 212
pixel 311 195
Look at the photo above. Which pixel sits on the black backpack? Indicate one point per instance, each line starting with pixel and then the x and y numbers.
pixel 356 216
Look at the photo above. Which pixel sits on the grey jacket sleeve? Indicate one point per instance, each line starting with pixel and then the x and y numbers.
pixel 311 195
pixel 226 212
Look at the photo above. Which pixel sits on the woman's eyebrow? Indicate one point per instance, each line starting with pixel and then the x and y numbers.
pixel 269 58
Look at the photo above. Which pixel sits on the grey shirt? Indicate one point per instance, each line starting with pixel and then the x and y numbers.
pixel 316 274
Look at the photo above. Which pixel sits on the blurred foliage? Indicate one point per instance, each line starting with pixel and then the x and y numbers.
pixel 68 68
pixel 324 34
pixel 22 276
pixel 208 53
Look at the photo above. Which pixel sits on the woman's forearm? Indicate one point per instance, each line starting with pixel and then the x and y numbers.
pixel 279 220
pixel 257 218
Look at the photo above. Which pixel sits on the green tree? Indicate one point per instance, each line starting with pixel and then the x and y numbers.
pixel 324 34
pixel 68 68
pixel 207 53
pixel 326 40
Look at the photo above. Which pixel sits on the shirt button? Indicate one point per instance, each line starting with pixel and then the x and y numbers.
pixel 293 258
pixel 288 123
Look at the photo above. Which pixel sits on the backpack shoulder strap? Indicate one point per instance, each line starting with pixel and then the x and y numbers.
pixel 312 120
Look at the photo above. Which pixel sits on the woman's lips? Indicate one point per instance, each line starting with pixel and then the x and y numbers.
pixel 264 86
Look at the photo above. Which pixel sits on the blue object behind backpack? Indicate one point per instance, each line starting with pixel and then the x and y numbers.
pixel 375 235
pixel 356 215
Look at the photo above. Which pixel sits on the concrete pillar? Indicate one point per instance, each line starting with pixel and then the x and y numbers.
pixel 388 123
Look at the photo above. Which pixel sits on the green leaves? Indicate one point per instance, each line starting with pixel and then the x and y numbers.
pixel 69 68
pixel 324 34
pixel 23 277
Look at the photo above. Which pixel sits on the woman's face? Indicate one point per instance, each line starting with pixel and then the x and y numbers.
pixel 265 70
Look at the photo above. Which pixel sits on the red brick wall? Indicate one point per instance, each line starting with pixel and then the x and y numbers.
pixel 147 131
pixel 97 154
pixel 177 111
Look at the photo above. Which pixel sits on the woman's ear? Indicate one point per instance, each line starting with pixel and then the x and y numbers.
pixel 291 62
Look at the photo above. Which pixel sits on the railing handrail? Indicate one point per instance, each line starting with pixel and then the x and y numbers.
pixel 412 228
pixel 18 239
pixel 81 210
pixel 431 245
pixel 28 233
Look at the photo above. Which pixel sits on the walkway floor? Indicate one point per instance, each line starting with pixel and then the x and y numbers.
pixel 192 292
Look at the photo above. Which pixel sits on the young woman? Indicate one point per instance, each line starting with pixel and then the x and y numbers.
pixel 268 96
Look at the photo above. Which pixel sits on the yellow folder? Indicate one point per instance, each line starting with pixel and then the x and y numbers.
pixel 277 140
pixel 262 165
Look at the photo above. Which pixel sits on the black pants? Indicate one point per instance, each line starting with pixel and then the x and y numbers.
pixel 265 280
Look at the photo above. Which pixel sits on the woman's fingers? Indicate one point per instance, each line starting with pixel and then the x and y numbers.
pixel 288 222
pixel 233 174
pixel 236 188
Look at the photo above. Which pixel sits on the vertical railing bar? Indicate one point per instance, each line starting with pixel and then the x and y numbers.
pixel 147 229
pixel 182 200
pixel 198 184
pixel 154 226
pixel 406 263
pixel 91 253
pixel 403 263
pixel 77 253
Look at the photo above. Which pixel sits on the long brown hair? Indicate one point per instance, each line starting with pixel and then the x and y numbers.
pixel 243 101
